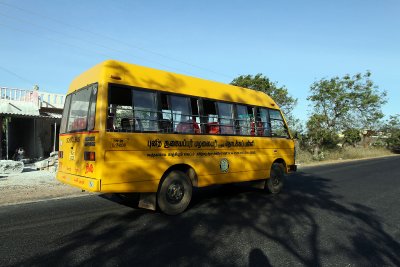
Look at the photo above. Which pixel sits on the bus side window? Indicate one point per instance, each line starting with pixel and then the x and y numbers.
pixel 145 111
pixel 210 117
pixel 278 127
pixel 225 112
pixel 262 122
pixel 120 111
pixel 244 120
pixel 181 114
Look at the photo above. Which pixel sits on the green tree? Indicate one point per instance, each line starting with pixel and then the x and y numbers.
pixel 392 129
pixel 351 136
pixel 279 94
pixel 319 135
pixel 348 101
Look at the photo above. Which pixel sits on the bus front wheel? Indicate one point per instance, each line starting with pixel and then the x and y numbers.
pixel 175 193
pixel 277 178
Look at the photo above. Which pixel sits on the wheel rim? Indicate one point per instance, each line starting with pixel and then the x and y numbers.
pixel 175 192
pixel 276 181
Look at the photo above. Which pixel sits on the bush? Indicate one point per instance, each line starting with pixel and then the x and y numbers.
pixel 304 156
pixel 393 142
pixel 351 136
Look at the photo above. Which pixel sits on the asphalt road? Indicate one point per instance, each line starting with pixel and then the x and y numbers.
pixel 335 215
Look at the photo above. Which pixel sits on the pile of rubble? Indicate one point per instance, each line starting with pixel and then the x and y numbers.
pixel 11 166
pixel 50 164
pixel 17 166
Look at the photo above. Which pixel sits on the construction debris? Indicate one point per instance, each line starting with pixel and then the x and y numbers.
pixel 50 164
pixel 11 166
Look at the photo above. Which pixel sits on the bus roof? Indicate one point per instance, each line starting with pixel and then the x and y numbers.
pixel 117 72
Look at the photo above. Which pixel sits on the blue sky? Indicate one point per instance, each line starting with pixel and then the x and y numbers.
pixel 294 43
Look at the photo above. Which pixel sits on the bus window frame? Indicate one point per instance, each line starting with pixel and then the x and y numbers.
pixel 91 101
pixel 67 100
pixel 161 113
pixel 156 99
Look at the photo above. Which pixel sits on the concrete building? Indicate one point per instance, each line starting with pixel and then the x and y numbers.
pixel 30 120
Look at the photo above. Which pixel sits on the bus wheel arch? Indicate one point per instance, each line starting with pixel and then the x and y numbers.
pixel 185 168
pixel 281 162
pixel 275 182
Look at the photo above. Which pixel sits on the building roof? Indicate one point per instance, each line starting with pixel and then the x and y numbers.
pixel 19 108
pixel 42 115
pixel 51 115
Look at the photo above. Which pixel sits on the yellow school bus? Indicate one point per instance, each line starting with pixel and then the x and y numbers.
pixel 127 128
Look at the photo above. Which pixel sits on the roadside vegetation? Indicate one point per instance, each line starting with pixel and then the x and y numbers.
pixel 345 122
pixel 306 157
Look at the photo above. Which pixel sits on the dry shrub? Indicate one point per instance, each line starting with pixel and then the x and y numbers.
pixel 357 153
pixel 304 156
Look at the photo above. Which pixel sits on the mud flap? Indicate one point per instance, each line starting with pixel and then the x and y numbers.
pixel 260 184
pixel 148 201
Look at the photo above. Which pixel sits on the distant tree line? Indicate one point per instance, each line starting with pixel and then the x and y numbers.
pixel 345 111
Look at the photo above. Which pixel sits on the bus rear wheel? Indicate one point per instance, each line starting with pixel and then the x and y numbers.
pixel 277 178
pixel 175 193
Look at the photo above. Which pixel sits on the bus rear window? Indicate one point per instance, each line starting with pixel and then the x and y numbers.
pixel 79 110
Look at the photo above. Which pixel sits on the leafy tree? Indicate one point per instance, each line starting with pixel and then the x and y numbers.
pixel 279 94
pixel 341 103
pixel 393 123
pixel 351 136
pixel 318 135
pixel 348 102
pixel 392 129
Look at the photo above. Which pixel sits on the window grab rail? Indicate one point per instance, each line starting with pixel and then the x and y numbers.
pixel 153 121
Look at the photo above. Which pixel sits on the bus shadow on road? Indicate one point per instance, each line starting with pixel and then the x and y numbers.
pixel 236 227
pixel 130 200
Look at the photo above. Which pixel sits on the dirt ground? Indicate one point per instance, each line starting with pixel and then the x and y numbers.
pixel 32 185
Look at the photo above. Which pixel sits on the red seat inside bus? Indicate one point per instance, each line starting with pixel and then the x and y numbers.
pixel 78 124
pixel 188 127
pixel 212 128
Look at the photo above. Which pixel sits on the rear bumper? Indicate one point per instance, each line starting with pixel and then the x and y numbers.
pixel 95 185
pixel 84 183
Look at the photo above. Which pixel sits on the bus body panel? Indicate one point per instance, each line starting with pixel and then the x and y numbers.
pixel 84 183
pixel 72 161
pixel 130 166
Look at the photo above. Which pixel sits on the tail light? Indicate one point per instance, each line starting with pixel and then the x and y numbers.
pixel 89 155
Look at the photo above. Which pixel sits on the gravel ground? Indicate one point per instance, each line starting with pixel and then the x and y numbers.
pixel 32 185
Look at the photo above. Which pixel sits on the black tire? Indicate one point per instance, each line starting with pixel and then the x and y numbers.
pixel 276 181
pixel 174 193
